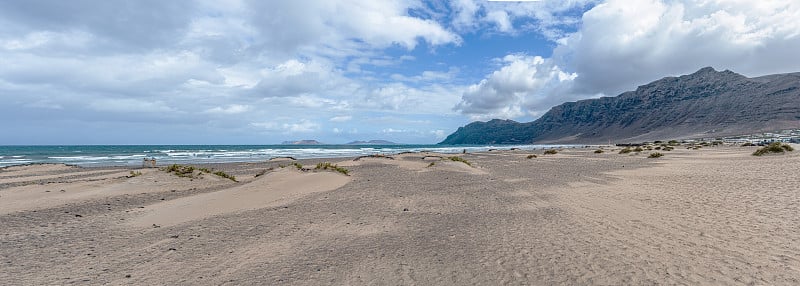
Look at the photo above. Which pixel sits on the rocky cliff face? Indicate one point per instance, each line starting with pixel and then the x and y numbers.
pixel 706 103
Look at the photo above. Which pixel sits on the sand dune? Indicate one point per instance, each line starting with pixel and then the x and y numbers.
pixel 275 188
pixel 86 185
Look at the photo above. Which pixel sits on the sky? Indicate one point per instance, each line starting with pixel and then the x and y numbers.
pixel 263 72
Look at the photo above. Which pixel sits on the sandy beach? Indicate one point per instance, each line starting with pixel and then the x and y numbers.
pixel 711 216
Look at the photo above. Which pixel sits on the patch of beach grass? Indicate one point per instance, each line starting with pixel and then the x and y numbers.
pixel 551 152
pixel 774 147
pixel 379 156
pixel 598 151
pixel 531 156
pixel 655 155
pixel 189 172
pixel 334 167
pixel 459 159
pixel 225 175
pixel 180 170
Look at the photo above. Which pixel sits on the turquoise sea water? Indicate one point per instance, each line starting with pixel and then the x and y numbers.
pixel 132 155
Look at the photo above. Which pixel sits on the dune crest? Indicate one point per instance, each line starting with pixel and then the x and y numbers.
pixel 420 162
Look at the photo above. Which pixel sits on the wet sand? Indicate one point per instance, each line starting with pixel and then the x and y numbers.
pixel 711 216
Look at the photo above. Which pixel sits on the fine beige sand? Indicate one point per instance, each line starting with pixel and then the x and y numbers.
pixel 272 189
pixel 711 216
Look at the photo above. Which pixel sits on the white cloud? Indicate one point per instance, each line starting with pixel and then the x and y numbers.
pixel 465 11
pixel 130 105
pixel 524 84
pixel 501 20
pixel 145 74
pixel 337 130
pixel 141 25
pixel 392 130
pixel 548 18
pixel 401 98
pixel 436 134
pixel 439 134
pixel 341 118
pixel 269 48
pixel 231 109
pixel 293 78
pixel 623 43
pixel 341 25
pixel 47 104
pixel 429 76
pixel 38 40
pixel 301 126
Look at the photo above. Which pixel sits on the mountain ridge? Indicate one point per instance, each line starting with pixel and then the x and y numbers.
pixel 705 103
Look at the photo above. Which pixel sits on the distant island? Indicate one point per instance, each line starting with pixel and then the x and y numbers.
pixel 705 104
pixel 372 142
pixel 301 142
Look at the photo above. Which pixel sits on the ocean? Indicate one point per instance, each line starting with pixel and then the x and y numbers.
pixel 132 155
